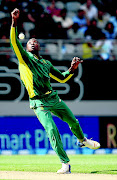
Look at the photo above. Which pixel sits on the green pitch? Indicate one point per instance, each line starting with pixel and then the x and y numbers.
pixel 100 164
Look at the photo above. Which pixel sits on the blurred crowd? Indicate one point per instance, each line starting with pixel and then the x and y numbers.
pixel 52 19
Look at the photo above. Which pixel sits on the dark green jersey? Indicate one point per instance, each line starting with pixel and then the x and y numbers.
pixel 35 72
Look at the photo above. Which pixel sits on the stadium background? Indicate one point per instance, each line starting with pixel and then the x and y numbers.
pixel 90 94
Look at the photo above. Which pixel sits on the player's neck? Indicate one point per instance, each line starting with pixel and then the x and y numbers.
pixel 36 54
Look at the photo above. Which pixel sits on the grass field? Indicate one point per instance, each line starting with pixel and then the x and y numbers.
pixel 94 164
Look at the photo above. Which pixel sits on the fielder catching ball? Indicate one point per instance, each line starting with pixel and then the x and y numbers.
pixel 35 72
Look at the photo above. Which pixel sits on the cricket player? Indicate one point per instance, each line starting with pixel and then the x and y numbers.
pixel 35 73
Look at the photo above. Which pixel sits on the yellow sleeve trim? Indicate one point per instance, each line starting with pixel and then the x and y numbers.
pixel 59 80
pixel 25 73
pixel 14 44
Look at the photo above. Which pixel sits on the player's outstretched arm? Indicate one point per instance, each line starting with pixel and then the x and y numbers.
pixel 74 64
pixel 15 44
pixel 15 16
pixel 65 76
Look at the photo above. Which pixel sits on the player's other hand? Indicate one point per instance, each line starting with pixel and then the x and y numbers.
pixel 15 14
pixel 74 64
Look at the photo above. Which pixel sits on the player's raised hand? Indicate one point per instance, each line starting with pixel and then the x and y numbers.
pixel 74 64
pixel 15 14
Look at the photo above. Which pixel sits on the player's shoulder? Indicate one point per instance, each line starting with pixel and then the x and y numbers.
pixel 29 54
pixel 48 62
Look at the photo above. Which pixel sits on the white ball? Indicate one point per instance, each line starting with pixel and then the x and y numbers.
pixel 21 36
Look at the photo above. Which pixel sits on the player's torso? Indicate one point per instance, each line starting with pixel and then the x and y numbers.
pixel 35 75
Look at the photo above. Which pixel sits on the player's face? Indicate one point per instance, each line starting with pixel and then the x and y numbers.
pixel 33 45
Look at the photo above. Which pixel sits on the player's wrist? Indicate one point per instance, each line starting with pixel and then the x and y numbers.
pixel 14 22
pixel 71 70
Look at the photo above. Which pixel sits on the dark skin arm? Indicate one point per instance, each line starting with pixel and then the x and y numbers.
pixel 74 64
pixel 15 16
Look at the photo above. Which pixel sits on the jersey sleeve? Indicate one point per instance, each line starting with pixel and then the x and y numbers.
pixel 16 45
pixel 61 77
